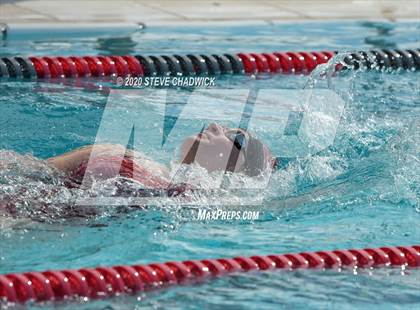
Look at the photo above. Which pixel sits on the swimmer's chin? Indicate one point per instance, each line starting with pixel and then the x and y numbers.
pixel 192 141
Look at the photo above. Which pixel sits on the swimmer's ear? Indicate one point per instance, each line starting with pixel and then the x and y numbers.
pixel 255 159
pixel 233 159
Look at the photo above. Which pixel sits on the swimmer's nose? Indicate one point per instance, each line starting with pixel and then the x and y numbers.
pixel 215 128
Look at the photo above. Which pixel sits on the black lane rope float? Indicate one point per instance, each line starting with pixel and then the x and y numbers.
pixel 195 64
pixel 102 282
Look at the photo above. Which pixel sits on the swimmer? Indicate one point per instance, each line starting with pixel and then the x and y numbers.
pixel 215 148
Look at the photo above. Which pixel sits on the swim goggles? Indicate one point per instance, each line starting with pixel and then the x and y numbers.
pixel 239 139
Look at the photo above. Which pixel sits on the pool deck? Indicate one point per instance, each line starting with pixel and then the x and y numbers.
pixel 75 12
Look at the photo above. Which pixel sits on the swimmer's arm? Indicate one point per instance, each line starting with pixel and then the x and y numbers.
pixel 69 161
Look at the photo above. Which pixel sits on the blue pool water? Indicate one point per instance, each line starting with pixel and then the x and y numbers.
pixel 362 191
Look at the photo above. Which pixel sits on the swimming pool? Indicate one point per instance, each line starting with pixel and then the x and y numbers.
pixel 361 191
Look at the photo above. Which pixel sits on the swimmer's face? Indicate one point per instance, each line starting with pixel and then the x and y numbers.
pixel 212 149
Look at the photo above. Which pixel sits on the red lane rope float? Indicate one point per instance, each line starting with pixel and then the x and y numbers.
pixel 298 62
pixel 55 67
pixel 310 60
pixel 41 67
pixel 177 65
pixel 69 67
pixel 134 66
pixel 82 66
pixel 102 282
pixel 262 63
pixel 286 62
pixel 108 64
pixel 250 64
pixel 273 63
pixel 95 65
pixel 121 65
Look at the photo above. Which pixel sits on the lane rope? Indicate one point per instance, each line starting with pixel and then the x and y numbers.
pixel 102 282
pixel 41 67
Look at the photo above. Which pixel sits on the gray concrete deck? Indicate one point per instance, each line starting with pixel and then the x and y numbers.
pixel 175 11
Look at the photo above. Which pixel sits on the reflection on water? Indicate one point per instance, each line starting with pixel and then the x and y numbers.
pixel 116 46
pixel 383 37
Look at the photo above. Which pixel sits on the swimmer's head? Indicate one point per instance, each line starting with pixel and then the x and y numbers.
pixel 230 149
